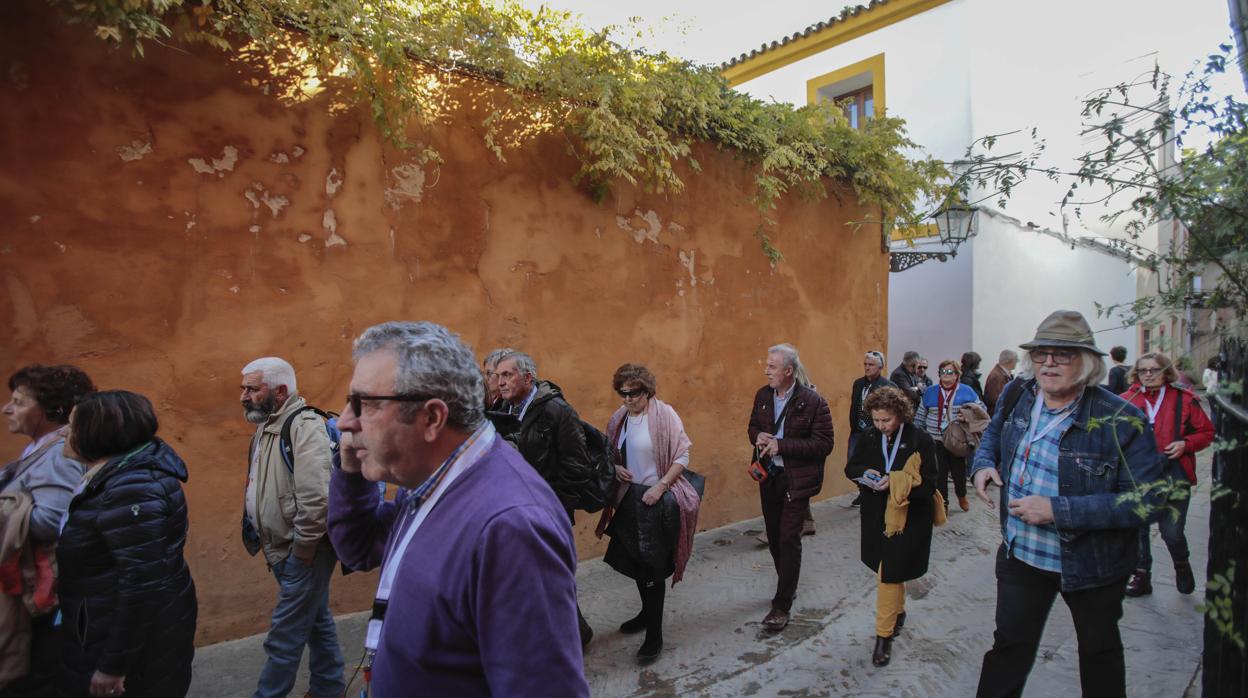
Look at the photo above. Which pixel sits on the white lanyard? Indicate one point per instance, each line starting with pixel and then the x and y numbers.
pixel 390 569
pixel 948 406
pixel 890 456
pixel 1154 408
pixel 1058 418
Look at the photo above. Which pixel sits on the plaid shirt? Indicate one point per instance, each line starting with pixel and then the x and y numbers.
pixel 1034 471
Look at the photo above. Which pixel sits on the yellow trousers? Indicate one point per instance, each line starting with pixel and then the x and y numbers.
pixel 890 601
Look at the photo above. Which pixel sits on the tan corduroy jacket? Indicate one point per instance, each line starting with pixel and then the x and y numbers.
pixel 291 507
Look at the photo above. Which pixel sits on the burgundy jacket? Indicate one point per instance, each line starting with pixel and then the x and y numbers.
pixel 807 438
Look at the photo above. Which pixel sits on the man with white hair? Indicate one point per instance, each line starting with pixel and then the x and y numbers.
pixel 872 380
pixel 477 591
pixel 791 427
pixel 284 515
pixel 1077 466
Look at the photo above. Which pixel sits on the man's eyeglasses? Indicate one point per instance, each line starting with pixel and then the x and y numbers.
pixel 1147 371
pixel 356 400
pixel 630 393
pixel 1061 357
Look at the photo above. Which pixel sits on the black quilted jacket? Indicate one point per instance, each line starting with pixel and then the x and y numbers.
pixel 127 600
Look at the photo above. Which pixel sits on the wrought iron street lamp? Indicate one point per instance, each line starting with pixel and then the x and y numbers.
pixel 955 224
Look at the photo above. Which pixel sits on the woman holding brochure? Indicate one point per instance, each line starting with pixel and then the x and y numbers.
pixel 894 464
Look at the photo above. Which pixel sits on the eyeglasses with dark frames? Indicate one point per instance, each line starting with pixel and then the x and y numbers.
pixel 1061 357
pixel 356 400
pixel 630 393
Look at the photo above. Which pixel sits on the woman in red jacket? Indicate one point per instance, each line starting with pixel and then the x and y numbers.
pixel 1181 429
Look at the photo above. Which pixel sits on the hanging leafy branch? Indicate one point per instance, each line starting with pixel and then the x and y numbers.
pixel 629 116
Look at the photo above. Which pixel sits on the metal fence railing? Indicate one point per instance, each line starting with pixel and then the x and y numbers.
pixel 1225 660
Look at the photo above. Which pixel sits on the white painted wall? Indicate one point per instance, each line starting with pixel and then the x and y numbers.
pixel 1021 276
pixel 930 310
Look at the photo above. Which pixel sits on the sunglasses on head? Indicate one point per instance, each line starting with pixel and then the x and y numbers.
pixel 631 393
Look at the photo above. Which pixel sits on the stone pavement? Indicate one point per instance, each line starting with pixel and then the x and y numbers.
pixel 715 646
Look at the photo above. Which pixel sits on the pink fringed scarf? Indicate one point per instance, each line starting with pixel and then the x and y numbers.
pixel 667 434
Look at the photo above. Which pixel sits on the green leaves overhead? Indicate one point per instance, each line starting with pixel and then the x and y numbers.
pixel 628 116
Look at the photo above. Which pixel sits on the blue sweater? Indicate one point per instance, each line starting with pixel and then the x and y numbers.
pixel 484 602
pixel 928 415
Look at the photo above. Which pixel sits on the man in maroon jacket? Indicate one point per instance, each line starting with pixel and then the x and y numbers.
pixel 792 428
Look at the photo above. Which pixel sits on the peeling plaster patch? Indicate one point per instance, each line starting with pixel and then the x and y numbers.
pixel 598 232
pixel 298 152
pixel 279 158
pixel 19 76
pixel 221 165
pixel 409 184
pixel 136 150
pixel 275 203
pixel 254 229
pixel 234 289
pixel 686 261
pixel 60 245
pixel 224 273
pixel 333 182
pixel 35 219
pixel 304 237
pixel 190 220
pixel 329 222
pixel 675 227
pixel 649 231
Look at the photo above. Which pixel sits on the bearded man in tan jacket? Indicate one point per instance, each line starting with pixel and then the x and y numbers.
pixel 284 515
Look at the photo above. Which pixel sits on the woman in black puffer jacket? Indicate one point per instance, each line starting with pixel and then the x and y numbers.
pixel 127 600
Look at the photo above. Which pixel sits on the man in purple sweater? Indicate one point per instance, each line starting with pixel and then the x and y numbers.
pixel 477 594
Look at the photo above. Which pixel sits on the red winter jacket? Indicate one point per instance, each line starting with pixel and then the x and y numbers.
pixel 1197 430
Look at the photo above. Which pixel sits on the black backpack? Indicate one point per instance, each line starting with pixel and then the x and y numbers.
pixel 593 494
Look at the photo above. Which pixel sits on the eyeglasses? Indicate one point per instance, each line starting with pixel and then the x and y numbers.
pixel 356 400
pixel 630 393
pixel 1061 357
pixel 1148 371
pixel 948 372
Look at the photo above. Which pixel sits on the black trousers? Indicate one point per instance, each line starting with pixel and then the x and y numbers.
pixel 44 662
pixel 783 518
pixel 1024 596
pixel 948 465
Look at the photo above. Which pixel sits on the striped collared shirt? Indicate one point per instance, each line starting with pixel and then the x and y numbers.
pixel 1035 471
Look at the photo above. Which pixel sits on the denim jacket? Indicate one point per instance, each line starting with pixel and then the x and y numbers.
pixel 1098 463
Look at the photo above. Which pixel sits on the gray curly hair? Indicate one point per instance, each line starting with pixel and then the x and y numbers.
pixel 432 360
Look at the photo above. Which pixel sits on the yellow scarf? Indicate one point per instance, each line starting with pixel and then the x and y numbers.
pixel 900 482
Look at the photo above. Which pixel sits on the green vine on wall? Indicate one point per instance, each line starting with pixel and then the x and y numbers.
pixel 628 115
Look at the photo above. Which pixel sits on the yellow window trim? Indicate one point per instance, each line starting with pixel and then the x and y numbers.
pixel 873 65
pixel 838 32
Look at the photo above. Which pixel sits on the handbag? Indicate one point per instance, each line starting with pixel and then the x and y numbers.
pixel 757 471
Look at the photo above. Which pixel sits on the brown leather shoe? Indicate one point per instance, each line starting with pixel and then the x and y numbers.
pixel 962 502
pixel 776 620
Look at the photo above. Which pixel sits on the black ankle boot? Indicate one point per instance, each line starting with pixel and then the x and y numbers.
pixel 1184 580
pixel 637 623
pixel 883 651
pixel 653 643
pixel 901 621
pixel 1140 584
pixel 587 633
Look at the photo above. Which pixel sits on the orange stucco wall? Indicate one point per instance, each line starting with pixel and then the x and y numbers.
pixel 165 220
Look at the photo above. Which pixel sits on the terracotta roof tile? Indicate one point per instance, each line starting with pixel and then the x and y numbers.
pixel 845 13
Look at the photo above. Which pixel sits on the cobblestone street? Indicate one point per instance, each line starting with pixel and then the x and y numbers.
pixel 715 646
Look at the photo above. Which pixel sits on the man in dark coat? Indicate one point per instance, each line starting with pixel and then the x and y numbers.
pixel 904 377
pixel 998 377
pixel 1117 380
pixel 872 379
pixel 792 428
pixel 548 435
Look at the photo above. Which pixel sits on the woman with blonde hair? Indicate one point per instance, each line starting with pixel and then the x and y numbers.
pixel 894 464
pixel 1180 428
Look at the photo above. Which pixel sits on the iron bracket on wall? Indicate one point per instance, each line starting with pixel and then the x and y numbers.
pixel 901 261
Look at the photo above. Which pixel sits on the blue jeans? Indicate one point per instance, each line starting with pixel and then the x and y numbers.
pixel 1171 528
pixel 300 618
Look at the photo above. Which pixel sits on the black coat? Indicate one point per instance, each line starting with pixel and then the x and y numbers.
pixel 808 436
pixel 551 439
pixel 905 554
pixel 859 420
pixel 908 382
pixel 972 380
pixel 127 599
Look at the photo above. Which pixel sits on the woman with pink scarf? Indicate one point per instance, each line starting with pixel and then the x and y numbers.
pixel 651 452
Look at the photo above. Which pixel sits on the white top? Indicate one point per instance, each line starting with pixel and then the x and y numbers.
pixel 635 437
pixel 1210 379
